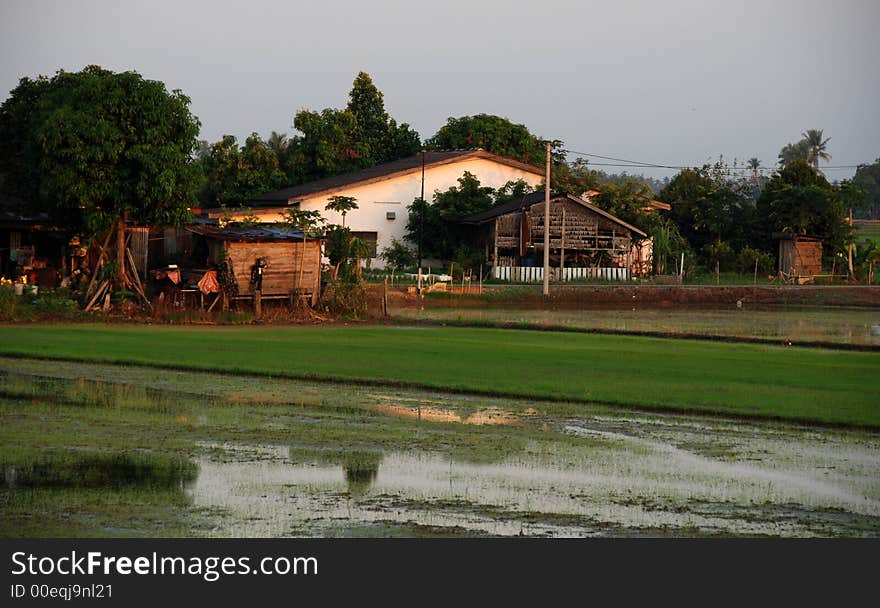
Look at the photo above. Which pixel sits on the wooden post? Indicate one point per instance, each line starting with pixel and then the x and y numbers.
pixel 547 224
pixel 481 279
pixel 258 303
pixel 756 271
pixel 121 279
pixel 495 239
pixel 225 302
pixel 385 298
pixel 849 247
pixel 562 252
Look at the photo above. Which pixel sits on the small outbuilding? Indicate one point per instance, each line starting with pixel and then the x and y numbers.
pixel 800 256
pixel 276 262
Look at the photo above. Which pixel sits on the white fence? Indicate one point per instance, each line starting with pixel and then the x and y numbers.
pixel 535 274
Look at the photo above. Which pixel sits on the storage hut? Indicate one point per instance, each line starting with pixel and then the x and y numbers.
pixel 800 256
pixel 275 259
pixel 585 241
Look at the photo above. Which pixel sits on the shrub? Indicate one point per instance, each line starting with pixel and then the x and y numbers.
pixel 745 261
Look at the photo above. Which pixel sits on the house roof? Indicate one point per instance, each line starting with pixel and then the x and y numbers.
pixel 650 203
pixel 382 172
pixel 263 233
pixel 538 197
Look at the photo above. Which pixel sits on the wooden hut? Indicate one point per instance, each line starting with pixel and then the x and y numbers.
pixel 288 267
pixel 585 241
pixel 800 256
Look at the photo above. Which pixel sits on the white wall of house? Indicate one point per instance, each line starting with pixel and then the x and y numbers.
pixel 376 200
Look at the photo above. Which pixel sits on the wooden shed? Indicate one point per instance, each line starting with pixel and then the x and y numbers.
pixel 288 267
pixel 585 241
pixel 799 255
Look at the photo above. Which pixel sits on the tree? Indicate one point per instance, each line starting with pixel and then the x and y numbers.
pixel 867 179
pixel 709 205
pixel 341 205
pixel 101 147
pixel 794 152
pixel 442 220
pixel 278 143
pixel 494 134
pixel 384 139
pixel 398 255
pixel 339 141
pixel 818 146
pixel 755 165
pixel 799 200
pixel 235 175
pixel 306 222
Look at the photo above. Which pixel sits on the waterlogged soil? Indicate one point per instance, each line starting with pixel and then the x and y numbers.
pixel 798 326
pixel 102 450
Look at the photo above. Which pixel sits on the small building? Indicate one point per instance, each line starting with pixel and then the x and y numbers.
pixel 799 255
pixel 585 241
pixel 253 256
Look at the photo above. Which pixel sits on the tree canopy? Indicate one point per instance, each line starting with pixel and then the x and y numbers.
pixel 235 175
pixel 100 145
pixel 494 134
pixel 799 200
pixel 867 178
pixel 338 141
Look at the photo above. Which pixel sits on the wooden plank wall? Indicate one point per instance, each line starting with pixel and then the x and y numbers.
pixel 584 230
pixel 283 271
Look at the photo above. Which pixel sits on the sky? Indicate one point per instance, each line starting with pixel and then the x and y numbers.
pixel 672 83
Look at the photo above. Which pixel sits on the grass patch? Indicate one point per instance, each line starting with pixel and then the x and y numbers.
pixel 739 379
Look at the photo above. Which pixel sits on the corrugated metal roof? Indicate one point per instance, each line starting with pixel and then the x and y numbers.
pixel 246 233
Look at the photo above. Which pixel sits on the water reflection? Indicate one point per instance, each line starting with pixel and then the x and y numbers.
pixel 98 470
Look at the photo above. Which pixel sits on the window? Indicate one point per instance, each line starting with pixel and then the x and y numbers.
pixel 371 239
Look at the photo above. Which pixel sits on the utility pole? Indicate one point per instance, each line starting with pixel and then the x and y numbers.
pixel 547 225
pixel 421 224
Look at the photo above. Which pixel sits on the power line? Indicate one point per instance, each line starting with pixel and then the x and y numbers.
pixel 643 165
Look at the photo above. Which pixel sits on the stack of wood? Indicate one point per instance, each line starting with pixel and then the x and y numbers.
pixel 98 293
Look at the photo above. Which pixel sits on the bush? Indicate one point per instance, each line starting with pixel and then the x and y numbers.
pixel 56 303
pixel 745 261
pixel 345 299
pixel 8 303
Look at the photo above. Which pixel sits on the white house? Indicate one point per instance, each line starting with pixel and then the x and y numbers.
pixel 383 192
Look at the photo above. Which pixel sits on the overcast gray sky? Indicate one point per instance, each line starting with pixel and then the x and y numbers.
pixel 673 82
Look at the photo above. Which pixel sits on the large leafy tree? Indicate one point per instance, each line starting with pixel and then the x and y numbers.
pixel 442 220
pixel 494 134
pixel 867 179
pixel 234 174
pixel 799 200
pixel 708 206
pixel 101 147
pixel 338 141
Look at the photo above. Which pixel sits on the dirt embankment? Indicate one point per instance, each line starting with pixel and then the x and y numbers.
pixel 657 296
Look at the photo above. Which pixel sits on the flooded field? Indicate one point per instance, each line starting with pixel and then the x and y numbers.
pixel 841 326
pixel 102 450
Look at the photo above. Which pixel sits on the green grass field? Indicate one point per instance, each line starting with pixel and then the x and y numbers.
pixel 867 232
pixel 743 379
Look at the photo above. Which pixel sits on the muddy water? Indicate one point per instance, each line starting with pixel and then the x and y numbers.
pixel 556 471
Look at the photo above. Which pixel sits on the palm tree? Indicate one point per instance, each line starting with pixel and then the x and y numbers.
pixel 754 164
pixel 278 143
pixel 813 138
pixel 341 204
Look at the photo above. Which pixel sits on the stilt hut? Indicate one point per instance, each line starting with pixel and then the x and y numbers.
pixel 274 262
pixel 585 241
